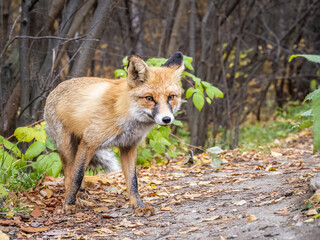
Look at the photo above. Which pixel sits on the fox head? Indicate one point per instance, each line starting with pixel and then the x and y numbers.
pixel 155 92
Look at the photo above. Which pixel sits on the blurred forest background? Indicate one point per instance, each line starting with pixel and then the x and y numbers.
pixel 240 46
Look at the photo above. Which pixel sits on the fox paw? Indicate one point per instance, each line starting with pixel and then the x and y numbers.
pixel 69 209
pixel 144 211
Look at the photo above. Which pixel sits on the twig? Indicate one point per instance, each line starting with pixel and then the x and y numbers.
pixel 45 37
pixel 32 124
pixel 201 148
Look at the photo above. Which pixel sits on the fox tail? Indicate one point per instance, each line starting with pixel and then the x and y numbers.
pixel 106 159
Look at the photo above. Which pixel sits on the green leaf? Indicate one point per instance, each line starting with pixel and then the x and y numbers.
pixel 312 95
pixel 11 146
pixel 305 124
pixel 214 150
pixel 50 164
pixel 173 154
pixel 177 123
pixel 188 65
pixel 24 134
pixel 125 61
pixel 40 135
pixel 189 92
pixel 198 101
pixel 156 62
pixel 159 149
pixel 216 162
pixel 316 122
pixel 6 160
pixel 120 73
pixel 34 150
pixel 309 57
pixel 3 193
pixel 217 92
pixel 50 145
pixel 187 59
pixel 146 153
pixel 307 113
pixel 165 131
pixel 210 92
pixel 208 100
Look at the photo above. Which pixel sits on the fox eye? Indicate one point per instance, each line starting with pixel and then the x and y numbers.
pixel 149 98
pixel 171 97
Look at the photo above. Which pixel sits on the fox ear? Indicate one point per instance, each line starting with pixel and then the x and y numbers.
pixel 176 62
pixel 138 71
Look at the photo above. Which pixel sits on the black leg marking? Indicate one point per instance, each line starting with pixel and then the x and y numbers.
pixel 75 141
pixel 76 184
pixel 134 189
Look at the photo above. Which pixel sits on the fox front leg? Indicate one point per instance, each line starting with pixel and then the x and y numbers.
pixel 128 162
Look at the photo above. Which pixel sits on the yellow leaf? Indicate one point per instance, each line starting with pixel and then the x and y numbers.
pixel 252 218
pixel 103 46
pixel 167 209
pixel 109 200
pixel 211 219
pixel 188 231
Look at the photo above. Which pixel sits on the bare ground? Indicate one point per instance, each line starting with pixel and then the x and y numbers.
pixel 254 196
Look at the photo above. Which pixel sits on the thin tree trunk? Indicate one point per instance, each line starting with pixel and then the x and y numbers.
pixel 173 43
pixel 96 30
pixel 24 64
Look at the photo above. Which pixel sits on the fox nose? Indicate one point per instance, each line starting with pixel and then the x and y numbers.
pixel 166 119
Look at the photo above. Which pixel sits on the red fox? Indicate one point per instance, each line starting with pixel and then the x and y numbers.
pixel 86 116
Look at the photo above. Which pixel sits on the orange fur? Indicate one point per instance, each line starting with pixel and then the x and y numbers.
pixel 87 114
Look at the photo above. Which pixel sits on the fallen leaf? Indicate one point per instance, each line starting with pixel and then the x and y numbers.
pixel 108 200
pixel 46 193
pixel 4 236
pixel 57 233
pixel 240 203
pixel 271 168
pixel 282 212
pixel 188 231
pixel 211 219
pixel 139 233
pixel 36 212
pixel 104 230
pixel 100 209
pixel 252 218
pixel 167 209
pixel 34 229
pixel 312 212
pixel 87 203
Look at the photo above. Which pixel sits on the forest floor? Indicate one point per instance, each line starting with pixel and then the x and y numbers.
pixel 255 195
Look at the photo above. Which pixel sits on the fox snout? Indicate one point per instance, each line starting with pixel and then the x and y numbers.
pixel 163 114
pixel 164 119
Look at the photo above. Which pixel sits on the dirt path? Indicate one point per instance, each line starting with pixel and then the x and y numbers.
pixel 241 201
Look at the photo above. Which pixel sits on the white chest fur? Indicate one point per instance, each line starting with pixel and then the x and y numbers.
pixel 132 134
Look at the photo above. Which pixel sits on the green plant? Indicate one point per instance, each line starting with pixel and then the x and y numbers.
pixel 23 170
pixel 314 97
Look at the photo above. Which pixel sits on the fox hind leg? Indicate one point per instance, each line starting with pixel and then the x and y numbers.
pixel 75 176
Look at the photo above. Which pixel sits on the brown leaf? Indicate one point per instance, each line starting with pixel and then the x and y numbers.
pixel 140 233
pixel 188 231
pixel 36 212
pixel 211 219
pixel 252 218
pixel 47 193
pixel 167 209
pixel 100 209
pixel 34 229
pixel 4 236
pixel 282 212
